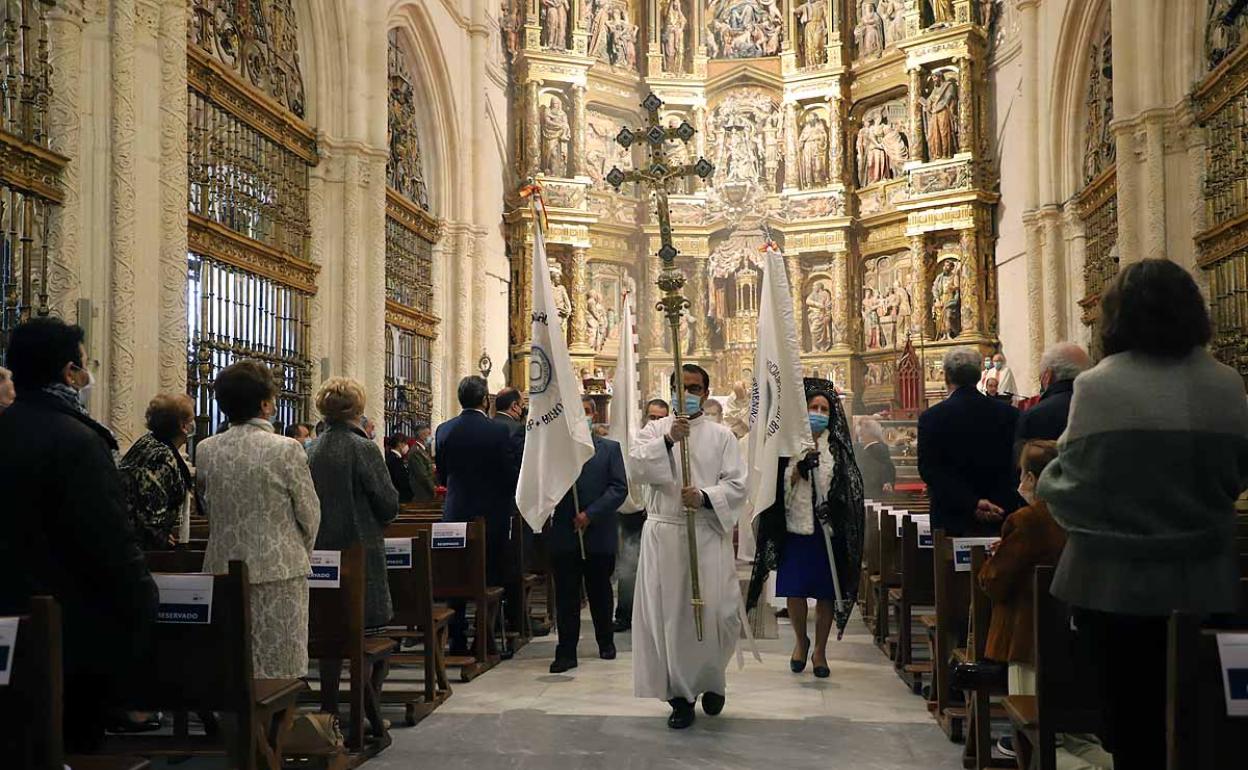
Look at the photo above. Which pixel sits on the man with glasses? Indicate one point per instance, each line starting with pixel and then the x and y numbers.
pixel 669 662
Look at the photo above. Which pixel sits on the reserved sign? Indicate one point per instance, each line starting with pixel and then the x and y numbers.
pixel 1233 657
pixel 184 598
pixel 450 534
pixel 962 550
pixel 8 643
pixel 326 567
pixel 925 533
pixel 398 553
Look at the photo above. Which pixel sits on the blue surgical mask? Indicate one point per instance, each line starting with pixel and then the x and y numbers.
pixel 693 404
pixel 818 422
pixel 589 423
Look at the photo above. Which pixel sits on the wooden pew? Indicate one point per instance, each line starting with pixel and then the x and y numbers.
pixel 32 705
pixel 417 618
pixel 948 634
pixel 208 668
pixel 336 631
pixel 1199 733
pixel 460 574
pixel 889 578
pixel 1066 700
pixel 915 591
pixel 870 564
pixel 980 710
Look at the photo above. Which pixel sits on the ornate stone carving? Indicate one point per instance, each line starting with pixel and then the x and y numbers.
pixel 743 29
pixel 812 148
pixel 940 114
pixel 556 134
pixel 255 40
pixel 942 11
pixel 882 146
pixel 812 19
pixel 947 297
pixel 1224 29
pixel 820 316
pixel 887 304
pixel 1099 150
pixel 869 32
pixel 122 414
pixel 746 161
pixel 942 179
pixel 674 23
pixel 555 23
pixel 173 187
pixel 893 14
pixel 405 171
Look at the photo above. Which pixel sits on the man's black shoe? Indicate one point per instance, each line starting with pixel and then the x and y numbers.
pixel 682 714
pixel 607 652
pixel 561 665
pixel 622 625
pixel 712 703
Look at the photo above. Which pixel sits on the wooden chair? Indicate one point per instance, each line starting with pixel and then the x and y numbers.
pixel 208 668
pixel 1066 700
pixel 889 578
pixel 948 634
pixel 980 710
pixel 32 705
pixel 418 619
pixel 336 632
pixel 915 591
pixel 1199 732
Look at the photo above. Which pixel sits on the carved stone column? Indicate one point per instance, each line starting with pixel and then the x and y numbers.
pixel 972 289
pixel 1035 288
pixel 173 185
pixel 790 145
pixel 654 49
pixel 918 147
pixel 968 136
pixel 922 290
pixel 831 56
pixel 577 150
pixel 836 131
pixel 533 26
pixel 578 22
pixel 841 288
pixel 699 141
pixel 1076 248
pixel 1054 277
pixel 532 129
pixel 701 330
pixel 65 130
pixel 579 289
pixel 649 319
pixel 797 289
pixel 122 416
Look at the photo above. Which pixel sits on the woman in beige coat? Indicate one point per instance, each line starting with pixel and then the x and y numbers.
pixel 262 506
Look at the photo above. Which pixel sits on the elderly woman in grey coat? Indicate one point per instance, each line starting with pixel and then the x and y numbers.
pixel 357 501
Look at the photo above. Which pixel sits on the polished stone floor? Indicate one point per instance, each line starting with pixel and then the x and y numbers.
pixel 520 716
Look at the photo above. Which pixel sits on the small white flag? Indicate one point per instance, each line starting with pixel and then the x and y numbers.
pixel 779 426
pixel 557 440
pixel 625 401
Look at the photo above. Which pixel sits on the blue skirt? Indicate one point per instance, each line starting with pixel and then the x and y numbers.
pixel 805 572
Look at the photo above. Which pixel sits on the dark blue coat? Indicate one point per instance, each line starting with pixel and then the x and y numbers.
pixel 602 487
pixel 475 464
pixel 1047 419
pixel 966 454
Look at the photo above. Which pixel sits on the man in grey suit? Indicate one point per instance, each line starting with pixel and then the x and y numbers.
pixel 600 489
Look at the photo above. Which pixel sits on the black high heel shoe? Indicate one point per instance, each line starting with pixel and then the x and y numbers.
pixel 821 672
pixel 798 666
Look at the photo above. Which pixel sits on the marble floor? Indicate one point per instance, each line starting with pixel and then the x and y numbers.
pixel 520 716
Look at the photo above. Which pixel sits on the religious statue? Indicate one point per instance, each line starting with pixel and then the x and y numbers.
pixel 674 38
pixel 556 133
pixel 947 300
pixel 869 34
pixel 599 17
pixel 623 40
pixel 556 29
pixel 903 311
pixel 872 330
pixel 742 163
pixel 940 115
pixel 739 29
pixel 813 16
pixel 819 312
pixel 942 11
pixel 772 145
pixel 893 15
pixel 896 146
pixel 812 144
pixel 595 322
pixel 563 303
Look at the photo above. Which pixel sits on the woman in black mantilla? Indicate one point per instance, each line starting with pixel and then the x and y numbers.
pixel 812 534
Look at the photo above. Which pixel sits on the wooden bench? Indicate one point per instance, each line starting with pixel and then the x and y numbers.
pixel 915 591
pixel 459 574
pixel 1199 732
pixel 1066 700
pixel 32 705
pixel 520 584
pixel 417 619
pixel 980 710
pixel 888 578
pixel 208 668
pixel 952 593
pixel 336 632
pixel 870 564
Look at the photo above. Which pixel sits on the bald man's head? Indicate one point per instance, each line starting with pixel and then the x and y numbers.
pixel 1063 361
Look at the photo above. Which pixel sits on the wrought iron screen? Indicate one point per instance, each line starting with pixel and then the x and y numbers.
pixel 409 380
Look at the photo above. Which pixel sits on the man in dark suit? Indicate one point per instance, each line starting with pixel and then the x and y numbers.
pixel 966 453
pixel 510 411
pixel 1059 366
pixel 474 462
pixel 396 449
pixel 600 489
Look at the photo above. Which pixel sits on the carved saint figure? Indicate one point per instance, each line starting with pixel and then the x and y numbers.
pixel 563 303
pixel 895 145
pixel 893 14
pixel 904 311
pixel 813 16
pixel 942 11
pixel 872 330
pixel 940 113
pixel 599 17
pixel 819 318
pixel 947 300
pixel 556 23
pixel 812 145
pixel 623 40
pixel 674 38
pixel 869 34
pixel 555 135
pixel 596 325
pixel 773 143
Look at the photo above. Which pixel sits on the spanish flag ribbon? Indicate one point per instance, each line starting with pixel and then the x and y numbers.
pixel 533 192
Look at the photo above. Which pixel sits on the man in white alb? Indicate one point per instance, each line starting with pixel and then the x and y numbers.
pixel 668 660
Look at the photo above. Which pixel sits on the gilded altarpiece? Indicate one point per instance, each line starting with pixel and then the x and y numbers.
pixel 853 132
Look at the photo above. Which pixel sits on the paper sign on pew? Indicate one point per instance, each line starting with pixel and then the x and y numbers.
pixel 398 553
pixel 917 518
pixel 925 532
pixel 184 598
pixel 326 569
pixel 962 550
pixel 8 643
pixel 1233 656
pixel 449 534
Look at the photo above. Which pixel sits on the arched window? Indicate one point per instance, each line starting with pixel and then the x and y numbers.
pixel 249 281
pixel 411 232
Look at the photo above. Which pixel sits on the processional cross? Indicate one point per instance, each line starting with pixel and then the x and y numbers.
pixel 657 176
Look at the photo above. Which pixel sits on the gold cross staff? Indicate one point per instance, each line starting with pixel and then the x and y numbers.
pixel 658 176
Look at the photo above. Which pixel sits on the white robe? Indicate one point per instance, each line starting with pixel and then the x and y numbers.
pixel 668 660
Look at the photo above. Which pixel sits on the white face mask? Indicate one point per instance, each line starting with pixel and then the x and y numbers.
pixel 84 393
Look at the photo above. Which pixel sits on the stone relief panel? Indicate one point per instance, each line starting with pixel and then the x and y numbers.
pixel 556 134
pixel 880 25
pixel 612 33
pixel 1225 29
pixel 604 310
pixel 405 167
pixel 257 40
pixel 882 145
pixel 887 306
pixel 602 152
pixel 744 29
pixel 819 310
pixel 745 140
pixel 1099 150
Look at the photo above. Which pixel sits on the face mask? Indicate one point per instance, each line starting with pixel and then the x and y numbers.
pixel 818 422
pixel 84 393
pixel 693 404
pixel 1027 489
pixel 998 365
pixel 190 431
pixel 307 442
pixel 589 423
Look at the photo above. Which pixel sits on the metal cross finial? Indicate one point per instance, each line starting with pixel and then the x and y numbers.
pixel 658 176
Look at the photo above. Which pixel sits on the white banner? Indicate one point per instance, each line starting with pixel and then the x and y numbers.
pixel 625 419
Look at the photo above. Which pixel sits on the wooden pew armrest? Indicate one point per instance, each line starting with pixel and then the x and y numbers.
pixel 442 616
pixel 376 646
pixel 271 693
pixel 106 762
pixel 1022 710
